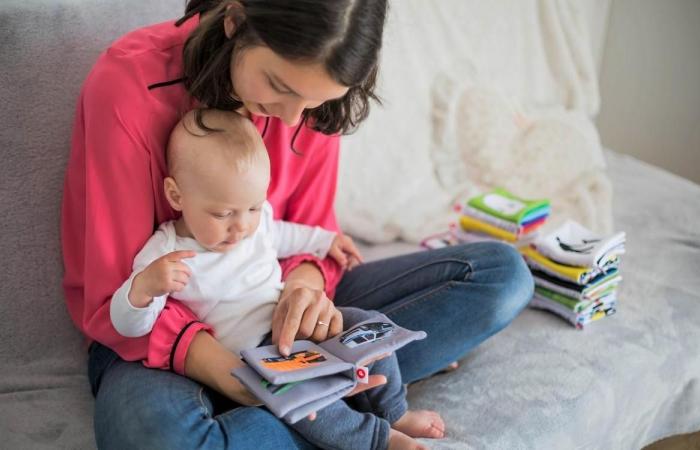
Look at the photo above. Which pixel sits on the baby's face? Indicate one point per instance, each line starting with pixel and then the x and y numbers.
pixel 224 208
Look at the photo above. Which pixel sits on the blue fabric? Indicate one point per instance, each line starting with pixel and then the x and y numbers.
pixel 141 408
pixel 459 295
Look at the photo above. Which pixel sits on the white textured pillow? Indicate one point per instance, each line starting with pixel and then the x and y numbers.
pixel 392 180
pixel 482 141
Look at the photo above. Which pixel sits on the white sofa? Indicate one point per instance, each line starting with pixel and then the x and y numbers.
pixel 627 381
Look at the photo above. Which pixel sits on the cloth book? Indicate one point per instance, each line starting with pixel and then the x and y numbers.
pixel 506 206
pixel 598 309
pixel 315 375
pixel 599 284
pixel 577 274
pixel 510 227
pixel 574 304
pixel 472 224
pixel 575 245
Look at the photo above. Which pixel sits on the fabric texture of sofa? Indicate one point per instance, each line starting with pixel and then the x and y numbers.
pixel 627 381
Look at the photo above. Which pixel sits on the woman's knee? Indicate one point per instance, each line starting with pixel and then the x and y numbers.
pixel 514 283
pixel 507 281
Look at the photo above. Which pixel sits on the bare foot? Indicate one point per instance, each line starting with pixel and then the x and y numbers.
pixel 399 441
pixel 421 423
pixel 450 368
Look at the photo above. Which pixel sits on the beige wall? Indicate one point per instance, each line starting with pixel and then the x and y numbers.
pixel 650 83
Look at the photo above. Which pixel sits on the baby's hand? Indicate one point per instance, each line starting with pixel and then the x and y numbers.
pixel 164 275
pixel 344 252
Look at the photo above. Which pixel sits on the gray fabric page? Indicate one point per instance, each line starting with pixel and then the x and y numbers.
pixel 317 405
pixel 370 338
pixel 306 360
pixel 297 400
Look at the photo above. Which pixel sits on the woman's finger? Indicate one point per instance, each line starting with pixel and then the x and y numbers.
pixel 278 315
pixel 312 315
pixel 372 382
pixel 298 304
pixel 323 324
pixel 336 325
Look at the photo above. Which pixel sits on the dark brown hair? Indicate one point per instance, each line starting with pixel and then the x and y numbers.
pixel 344 35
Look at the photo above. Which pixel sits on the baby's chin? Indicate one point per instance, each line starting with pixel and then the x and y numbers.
pixel 223 247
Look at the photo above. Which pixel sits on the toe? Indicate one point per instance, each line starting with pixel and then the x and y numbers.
pixel 435 432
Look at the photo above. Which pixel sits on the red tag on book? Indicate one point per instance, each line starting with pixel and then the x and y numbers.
pixel 362 375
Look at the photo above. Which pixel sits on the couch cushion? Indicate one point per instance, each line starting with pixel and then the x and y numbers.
pixel 48 49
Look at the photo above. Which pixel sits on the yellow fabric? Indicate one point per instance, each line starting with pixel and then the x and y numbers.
pixel 471 224
pixel 569 272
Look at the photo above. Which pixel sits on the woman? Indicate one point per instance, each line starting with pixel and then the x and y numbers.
pixel 304 72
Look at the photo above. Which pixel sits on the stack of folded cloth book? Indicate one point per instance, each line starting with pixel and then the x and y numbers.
pixel 576 272
pixel 501 215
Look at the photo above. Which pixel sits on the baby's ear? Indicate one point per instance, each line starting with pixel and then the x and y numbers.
pixel 172 193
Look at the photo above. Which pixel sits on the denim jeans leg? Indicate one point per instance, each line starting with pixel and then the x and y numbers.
pixel 459 295
pixel 341 427
pixel 141 408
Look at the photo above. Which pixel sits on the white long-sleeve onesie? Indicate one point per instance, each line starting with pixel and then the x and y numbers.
pixel 234 292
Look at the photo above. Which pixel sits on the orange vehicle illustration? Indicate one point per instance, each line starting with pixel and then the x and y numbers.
pixel 295 361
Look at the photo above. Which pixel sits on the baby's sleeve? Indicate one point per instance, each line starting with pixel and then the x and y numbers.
pixel 291 239
pixel 127 319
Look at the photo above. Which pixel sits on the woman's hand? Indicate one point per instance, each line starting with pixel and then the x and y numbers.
pixel 304 312
pixel 297 312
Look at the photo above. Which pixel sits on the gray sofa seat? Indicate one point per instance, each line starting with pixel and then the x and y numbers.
pixel 627 381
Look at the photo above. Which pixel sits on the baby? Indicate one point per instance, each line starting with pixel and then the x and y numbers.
pixel 220 259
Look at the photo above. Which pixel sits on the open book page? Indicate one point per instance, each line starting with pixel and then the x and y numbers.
pixel 369 339
pixel 306 360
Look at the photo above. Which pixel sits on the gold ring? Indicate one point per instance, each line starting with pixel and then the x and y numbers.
pixel 320 322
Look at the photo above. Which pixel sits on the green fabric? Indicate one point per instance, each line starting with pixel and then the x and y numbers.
pixel 605 279
pixel 573 304
pixel 511 213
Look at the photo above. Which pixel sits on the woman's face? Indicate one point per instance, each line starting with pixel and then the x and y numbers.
pixel 269 85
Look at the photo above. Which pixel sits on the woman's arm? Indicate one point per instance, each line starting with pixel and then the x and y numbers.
pixel 310 281
pixel 109 212
pixel 210 363
pixel 311 202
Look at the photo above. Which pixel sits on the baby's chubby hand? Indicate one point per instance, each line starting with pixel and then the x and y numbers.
pixel 164 275
pixel 344 252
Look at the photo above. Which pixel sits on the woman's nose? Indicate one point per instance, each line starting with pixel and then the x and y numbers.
pixel 292 111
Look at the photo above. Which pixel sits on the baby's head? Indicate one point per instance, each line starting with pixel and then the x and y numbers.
pixel 219 173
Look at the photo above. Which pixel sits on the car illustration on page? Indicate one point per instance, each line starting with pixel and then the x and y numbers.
pixel 365 333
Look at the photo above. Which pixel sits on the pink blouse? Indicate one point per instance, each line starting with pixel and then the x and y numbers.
pixel 113 192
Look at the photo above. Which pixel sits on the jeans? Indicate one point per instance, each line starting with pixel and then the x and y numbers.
pixel 459 295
